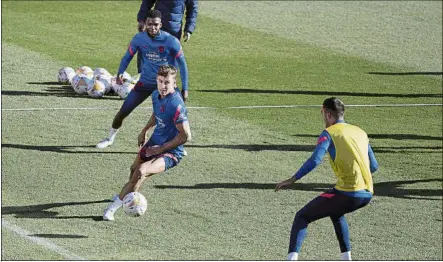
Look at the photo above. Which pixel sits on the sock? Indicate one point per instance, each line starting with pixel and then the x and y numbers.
pixel 293 256
pixel 112 133
pixel 346 255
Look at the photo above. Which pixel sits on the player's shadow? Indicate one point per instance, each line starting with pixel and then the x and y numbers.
pixel 42 210
pixel 320 93
pixel 406 73
pixel 58 91
pixel 58 236
pixel 394 189
pixel 388 136
pixel 255 147
pixel 310 148
pixel 64 149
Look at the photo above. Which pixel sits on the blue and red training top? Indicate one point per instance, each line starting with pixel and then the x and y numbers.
pixel 162 49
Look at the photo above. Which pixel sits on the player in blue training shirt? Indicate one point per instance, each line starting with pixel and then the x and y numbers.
pixel 158 48
pixel 164 149
pixel 352 161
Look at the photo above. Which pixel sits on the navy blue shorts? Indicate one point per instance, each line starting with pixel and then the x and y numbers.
pixel 138 94
pixel 170 160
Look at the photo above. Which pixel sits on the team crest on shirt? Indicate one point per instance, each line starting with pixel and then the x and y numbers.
pixel 161 49
pixel 162 108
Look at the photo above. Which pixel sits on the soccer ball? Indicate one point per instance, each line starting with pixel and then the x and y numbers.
pixel 80 84
pixel 134 79
pixel 96 88
pixel 123 90
pixel 106 80
pixel 135 204
pixel 65 75
pixel 100 72
pixel 85 70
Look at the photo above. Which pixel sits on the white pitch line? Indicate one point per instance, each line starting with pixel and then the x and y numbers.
pixel 40 241
pixel 204 107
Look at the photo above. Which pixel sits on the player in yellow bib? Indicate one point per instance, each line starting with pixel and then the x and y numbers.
pixel 353 161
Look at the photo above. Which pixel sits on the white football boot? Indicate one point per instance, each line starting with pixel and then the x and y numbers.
pixel 105 143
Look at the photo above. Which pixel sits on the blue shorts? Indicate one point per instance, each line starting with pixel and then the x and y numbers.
pixel 138 94
pixel 170 159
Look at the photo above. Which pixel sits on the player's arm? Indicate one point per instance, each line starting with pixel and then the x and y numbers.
pixel 373 164
pixel 183 136
pixel 126 59
pixel 323 143
pixel 145 6
pixel 191 18
pixel 177 52
pixel 149 125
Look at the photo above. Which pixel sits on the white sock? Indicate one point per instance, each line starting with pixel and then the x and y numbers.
pixel 112 133
pixel 116 204
pixel 346 255
pixel 293 256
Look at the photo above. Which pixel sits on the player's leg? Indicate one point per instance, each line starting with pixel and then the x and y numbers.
pixel 348 204
pixel 118 198
pixel 320 207
pixel 134 99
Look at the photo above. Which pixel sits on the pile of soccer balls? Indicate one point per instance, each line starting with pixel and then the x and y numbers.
pixel 96 83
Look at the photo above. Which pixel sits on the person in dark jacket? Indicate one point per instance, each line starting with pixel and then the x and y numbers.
pixel 172 17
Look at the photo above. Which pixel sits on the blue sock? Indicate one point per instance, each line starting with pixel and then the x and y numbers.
pixel 342 233
pixel 298 234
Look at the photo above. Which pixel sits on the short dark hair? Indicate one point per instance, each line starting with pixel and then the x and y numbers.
pixel 154 14
pixel 166 70
pixel 335 106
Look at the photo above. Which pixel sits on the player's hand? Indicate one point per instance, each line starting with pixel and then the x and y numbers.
pixel 187 36
pixel 153 150
pixel 185 95
pixel 141 139
pixel 284 183
pixel 141 25
pixel 119 79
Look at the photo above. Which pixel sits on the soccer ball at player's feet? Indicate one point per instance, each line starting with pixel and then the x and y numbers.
pixel 135 204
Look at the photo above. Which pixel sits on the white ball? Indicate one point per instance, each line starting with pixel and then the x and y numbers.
pixel 96 88
pixel 134 79
pixel 123 90
pixel 85 70
pixel 135 204
pixel 107 81
pixel 80 84
pixel 65 75
pixel 99 71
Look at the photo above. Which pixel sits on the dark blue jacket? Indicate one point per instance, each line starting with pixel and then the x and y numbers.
pixel 172 14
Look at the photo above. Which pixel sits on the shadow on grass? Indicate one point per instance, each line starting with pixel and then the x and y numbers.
pixel 310 92
pixel 64 149
pixel 310 148
pixel 253 147
pixel 246 147
pixel 58 236
pixel 387 189
pixel 60 91
pixel 45 83
pixel 406 73
pixel 41 210
pixel 388 136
